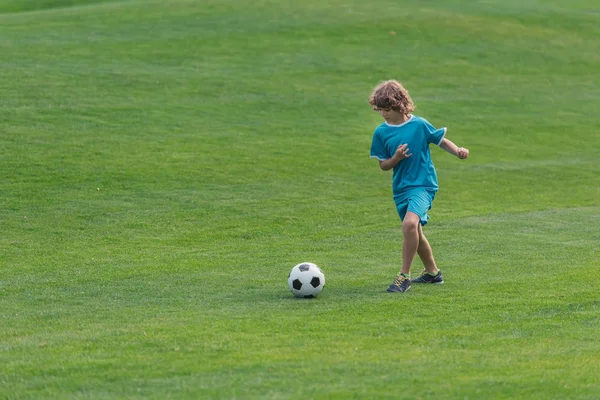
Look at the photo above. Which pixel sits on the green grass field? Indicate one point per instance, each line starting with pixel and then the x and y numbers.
pixel 166 163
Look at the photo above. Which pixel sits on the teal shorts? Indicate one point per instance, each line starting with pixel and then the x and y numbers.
pixel 417 201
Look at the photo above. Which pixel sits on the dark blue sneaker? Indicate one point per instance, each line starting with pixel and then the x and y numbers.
pixel 400 284
pixel 426 278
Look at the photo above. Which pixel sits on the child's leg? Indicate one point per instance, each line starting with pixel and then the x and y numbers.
pixel 425 253
pixel 410 241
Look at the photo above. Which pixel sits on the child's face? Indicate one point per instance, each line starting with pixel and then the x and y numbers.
pixel 389 114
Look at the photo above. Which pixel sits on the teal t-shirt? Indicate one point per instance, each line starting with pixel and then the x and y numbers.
pixel 416 171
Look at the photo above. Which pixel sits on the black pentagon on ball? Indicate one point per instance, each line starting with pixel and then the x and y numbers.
pixel 304 267
pixel 315 282
pixel 297 284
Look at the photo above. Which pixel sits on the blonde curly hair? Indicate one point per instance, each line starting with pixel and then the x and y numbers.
pixel 391 94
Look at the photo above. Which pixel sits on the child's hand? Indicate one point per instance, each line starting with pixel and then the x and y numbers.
pixel 462 153
pixel 402 152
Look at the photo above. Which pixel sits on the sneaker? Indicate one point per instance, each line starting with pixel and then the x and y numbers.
pixel 426 278
pixel 400 284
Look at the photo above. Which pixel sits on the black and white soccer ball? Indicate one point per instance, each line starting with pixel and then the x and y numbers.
pixel 306 280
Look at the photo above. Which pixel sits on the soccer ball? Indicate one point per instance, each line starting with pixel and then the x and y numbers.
pixel 306 280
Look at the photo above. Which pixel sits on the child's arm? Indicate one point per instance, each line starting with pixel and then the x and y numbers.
pixel 453 149
pixel 400 154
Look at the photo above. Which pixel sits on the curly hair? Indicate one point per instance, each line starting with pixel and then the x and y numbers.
pixel 391 94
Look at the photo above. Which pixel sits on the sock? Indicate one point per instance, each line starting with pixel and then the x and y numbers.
pixel 429 273
pixel 407 276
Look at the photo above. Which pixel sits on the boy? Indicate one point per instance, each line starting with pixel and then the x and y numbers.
pixel 401 143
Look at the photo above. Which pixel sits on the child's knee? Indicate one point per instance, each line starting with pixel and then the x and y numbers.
pixel 410 225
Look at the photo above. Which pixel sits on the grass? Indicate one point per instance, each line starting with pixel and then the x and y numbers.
pixel 165 164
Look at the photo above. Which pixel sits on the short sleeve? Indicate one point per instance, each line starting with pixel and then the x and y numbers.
pixel 433 135
pixel 377 147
